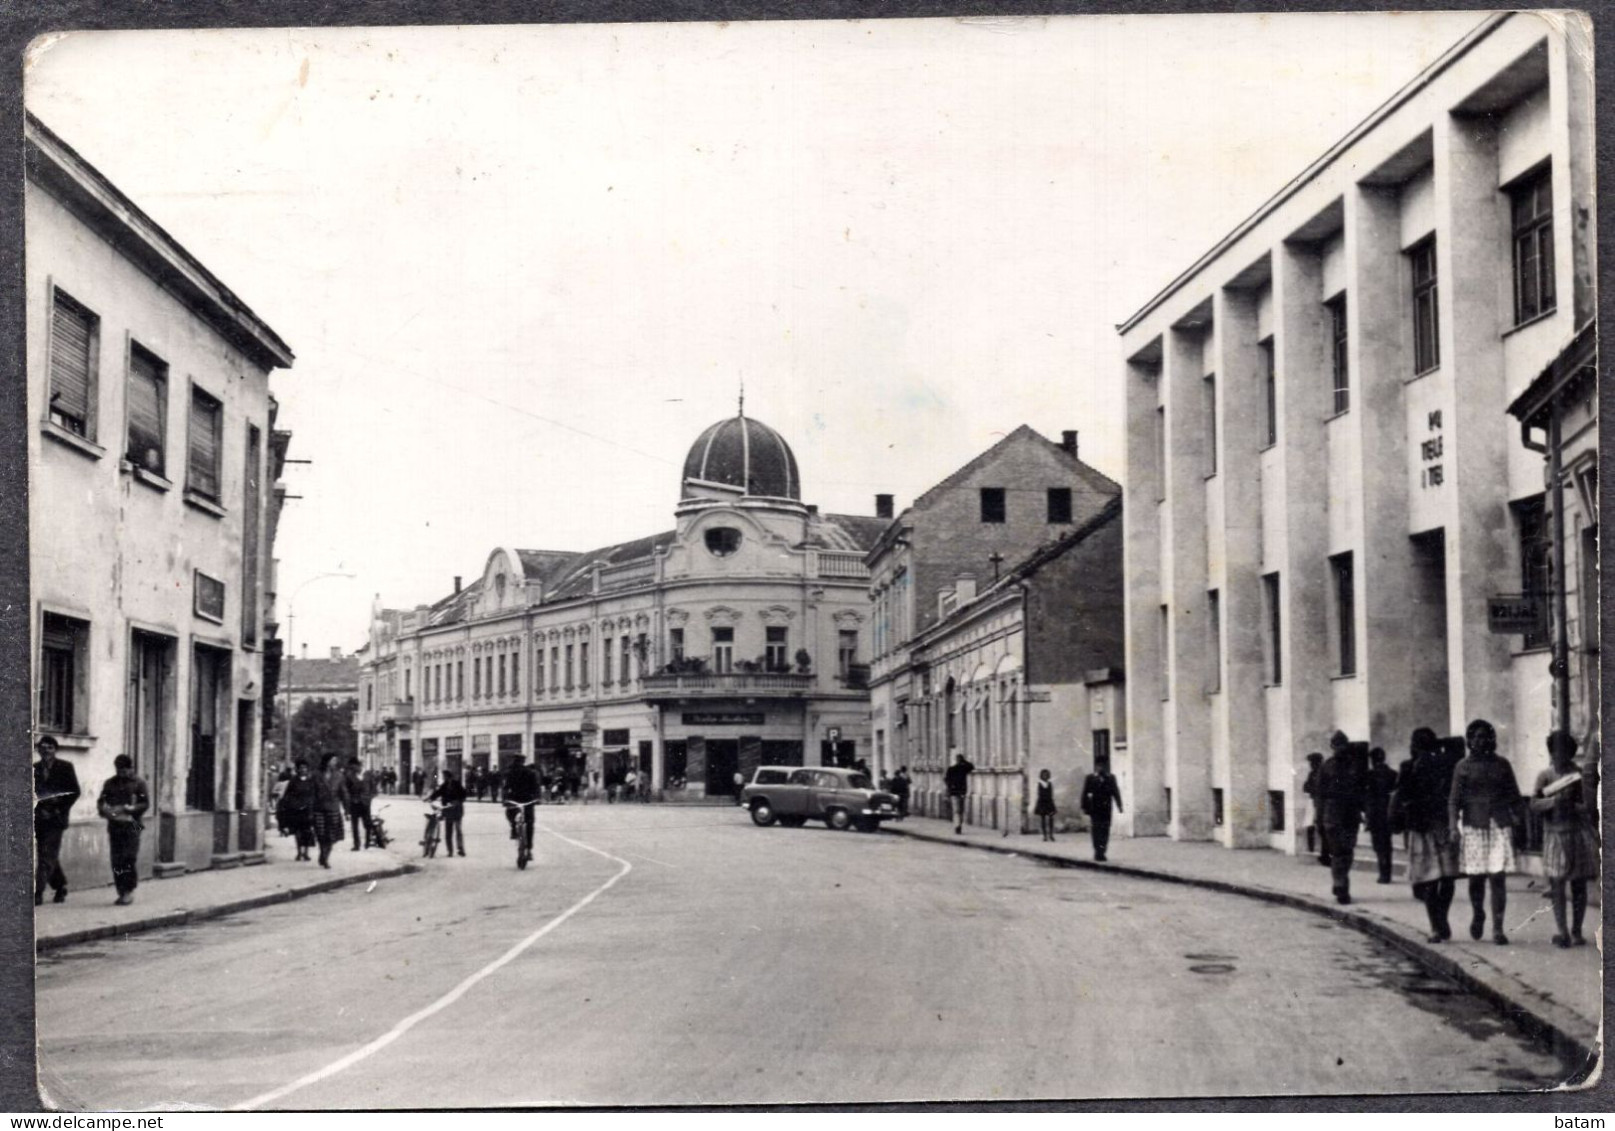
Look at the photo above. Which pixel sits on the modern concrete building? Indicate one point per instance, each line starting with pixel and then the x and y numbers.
pixel 737 638
pixel 149 444
pixel 1324 489
pixel 994 597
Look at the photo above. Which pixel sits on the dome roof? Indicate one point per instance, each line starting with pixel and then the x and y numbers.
pixel 745 453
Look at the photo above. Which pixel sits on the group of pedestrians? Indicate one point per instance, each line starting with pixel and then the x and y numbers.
pixel 1459 813
pixel 122 804
pixel 317 808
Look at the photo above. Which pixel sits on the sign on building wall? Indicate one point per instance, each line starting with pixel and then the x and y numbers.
pixel 1512 614
pixel 209 597
pixel 721 719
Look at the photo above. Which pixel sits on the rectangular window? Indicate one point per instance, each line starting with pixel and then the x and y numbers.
pixel 1272 639
pixel 1216 807
pixel 63 674
pixel 555 667
pixel 1536 560
pixel 1342 362
pixel 251 518
pixel 774 651
pixel 606 668
pixel 569 671
pixel 1059 504
pixel 1426 316
pixel 626 673
pixel 1101 745
pixel 1209 387
pixel 1160 453
pixel 1533 247
pixel 675 644
pixel 147 402
pixel 202 466
pixel 409 683
pixel 583 664
pixel 476 677
pixel 992 504
pixel 1163 641
pixel 723 649
pixel 501 675
pixel 1345 614
pixel 846 651
pixel 1275 810
pixel 1214 639
pixel 515 673
pixel 1270 385
pixel 459 680
pixel 538 670
pixel 74 348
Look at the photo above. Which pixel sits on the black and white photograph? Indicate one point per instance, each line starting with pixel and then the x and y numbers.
pixel 964 560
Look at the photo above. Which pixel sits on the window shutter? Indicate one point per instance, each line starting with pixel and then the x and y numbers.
pixel 70 362
pixel 145 413
pixel 202 475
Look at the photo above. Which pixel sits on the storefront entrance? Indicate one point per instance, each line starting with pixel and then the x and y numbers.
pixel 723 759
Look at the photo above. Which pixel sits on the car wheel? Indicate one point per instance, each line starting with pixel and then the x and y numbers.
pixel 762 814
pixel 838 819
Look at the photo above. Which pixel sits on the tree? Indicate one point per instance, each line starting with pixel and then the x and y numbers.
pixel 320 727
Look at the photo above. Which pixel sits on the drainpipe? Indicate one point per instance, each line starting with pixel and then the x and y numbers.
pixel 1561 639
pixel 1026 707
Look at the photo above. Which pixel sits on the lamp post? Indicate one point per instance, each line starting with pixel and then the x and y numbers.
pixel 291 624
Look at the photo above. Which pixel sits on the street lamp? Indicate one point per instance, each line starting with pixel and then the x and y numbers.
pixel 291 624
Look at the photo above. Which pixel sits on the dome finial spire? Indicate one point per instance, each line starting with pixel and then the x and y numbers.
pixel 742 396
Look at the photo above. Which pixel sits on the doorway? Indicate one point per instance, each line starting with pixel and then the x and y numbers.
pixel 723 760
pixel 209 682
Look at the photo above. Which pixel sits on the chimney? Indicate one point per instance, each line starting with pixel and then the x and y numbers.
pixel 813 510
pixel 883 506
pixel 965 588
pixel 305 651
pixel 1068 441
pixel 336 652
pixel 456 583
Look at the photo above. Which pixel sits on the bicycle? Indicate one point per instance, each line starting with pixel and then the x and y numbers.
pixel 378 829
pixel 524 836
pixel 434 830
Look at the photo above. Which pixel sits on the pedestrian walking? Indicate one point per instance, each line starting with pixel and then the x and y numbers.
pixel 957 781
pixel 1377 810
pixel 123 802
pixel 418 780
pixel 1341 800
pixel 356 791
pixel 276 793
pixel 1483 809
pixel 450 796
pixel 1309 815
pixel 902 786
pixel 1100 794
pixel 1566 795
pixel 1419 806
pixel 740 784
pixel 1044 808
pixel 296 808
pixel 327 812
pixel 56 789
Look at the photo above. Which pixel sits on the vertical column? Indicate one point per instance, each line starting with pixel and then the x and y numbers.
pixel 1189 712
pixel 1305 399
pixel 1473 265
pixel 1142 773
pixel 1570 74
pixel 1240 411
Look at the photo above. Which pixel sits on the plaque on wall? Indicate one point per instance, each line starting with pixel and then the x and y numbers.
pixel 208 597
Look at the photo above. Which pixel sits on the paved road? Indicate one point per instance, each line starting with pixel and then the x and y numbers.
pixel 717 962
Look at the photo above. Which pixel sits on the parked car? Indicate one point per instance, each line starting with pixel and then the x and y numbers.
pixel 794 795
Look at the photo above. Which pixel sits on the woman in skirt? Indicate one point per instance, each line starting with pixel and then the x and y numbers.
pixel 1484 806
pixel 1045 809
pixel 327 810
pixel 1569 839
pixel 1420 802
pixel 296 808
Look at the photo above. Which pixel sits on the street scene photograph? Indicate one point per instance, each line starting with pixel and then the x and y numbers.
pixel 977 560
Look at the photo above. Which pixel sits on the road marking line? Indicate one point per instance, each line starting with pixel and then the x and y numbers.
pixel 453 995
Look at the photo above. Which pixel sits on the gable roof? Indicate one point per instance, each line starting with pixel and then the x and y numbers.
pixel 1097 480
pixel 846 531
pixel 543 565
pixel 326 674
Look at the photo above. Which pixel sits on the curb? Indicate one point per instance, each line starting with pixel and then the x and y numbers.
pixel 1571 1036
pixel 201 914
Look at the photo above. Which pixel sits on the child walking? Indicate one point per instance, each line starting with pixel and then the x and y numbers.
pixel 1045 809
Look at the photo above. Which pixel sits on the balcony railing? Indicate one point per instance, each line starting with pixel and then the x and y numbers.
pixel 398 711
pixel 717 684
pixel 841 563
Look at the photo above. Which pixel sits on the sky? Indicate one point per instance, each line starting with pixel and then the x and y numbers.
pixel 523 267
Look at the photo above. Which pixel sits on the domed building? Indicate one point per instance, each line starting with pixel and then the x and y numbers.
pixel 737 638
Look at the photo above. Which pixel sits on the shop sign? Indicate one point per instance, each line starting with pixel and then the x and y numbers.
pixel 1512 614
pixel 722 719
pixel 209 597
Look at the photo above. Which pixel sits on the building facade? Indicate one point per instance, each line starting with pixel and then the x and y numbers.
pixel 151 428
pixel 993 597
pixel 738 638
pixel 1324 492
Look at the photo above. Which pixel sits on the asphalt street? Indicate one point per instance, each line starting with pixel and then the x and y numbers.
pixel 678 955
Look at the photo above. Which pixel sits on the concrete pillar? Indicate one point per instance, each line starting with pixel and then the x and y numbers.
pixel 1234 566
pixel 1473 257
pixel 1141 772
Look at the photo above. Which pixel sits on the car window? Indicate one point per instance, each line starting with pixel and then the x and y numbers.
pixel 802 777
pixel 859 781
pixel 828 781
pixel 770 777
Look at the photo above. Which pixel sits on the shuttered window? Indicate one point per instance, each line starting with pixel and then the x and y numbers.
pixel 202 470
pixel 147 403
pixel 72 360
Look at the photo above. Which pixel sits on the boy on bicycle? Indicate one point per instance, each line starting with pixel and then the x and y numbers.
pixel 521 788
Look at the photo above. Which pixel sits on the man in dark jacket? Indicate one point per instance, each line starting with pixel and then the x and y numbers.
pixel 123 802
pixel 521 788
pixel 1381 784
pixel 957 780
pixel 56 788
pixel 1341 800
pixel 1099 794
pixel 357 791
pixel 902 785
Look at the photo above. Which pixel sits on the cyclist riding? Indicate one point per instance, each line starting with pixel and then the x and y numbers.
pixel 521 789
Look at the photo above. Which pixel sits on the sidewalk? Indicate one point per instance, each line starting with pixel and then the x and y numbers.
pixel 90 913
pixel 1557 993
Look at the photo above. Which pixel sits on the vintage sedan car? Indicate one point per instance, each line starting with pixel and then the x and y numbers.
pixel 794 795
